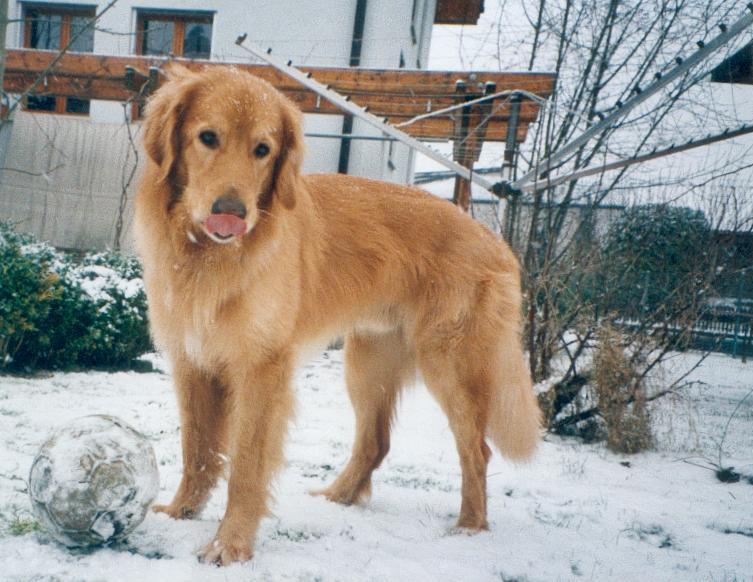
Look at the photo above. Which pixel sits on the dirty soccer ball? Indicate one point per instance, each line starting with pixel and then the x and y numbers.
pixel 92 481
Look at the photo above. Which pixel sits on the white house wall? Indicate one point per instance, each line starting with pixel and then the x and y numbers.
pixel 68 188
pixel 309 32
pixel 315 33
pixel 387 35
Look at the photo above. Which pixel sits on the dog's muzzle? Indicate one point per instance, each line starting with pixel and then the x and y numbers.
pixel 227 218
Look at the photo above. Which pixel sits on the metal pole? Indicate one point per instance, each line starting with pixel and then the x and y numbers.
pixel 578 174
pixel 341 136
pixel 738 309
pixel 3 31
pixel 5 125
pixel 346 105
pixel 640 95
pixel 355 61
pixel 508 216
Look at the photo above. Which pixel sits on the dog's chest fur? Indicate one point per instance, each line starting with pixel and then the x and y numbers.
pixel 208 314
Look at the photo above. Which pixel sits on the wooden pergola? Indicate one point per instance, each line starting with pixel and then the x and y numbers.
pixel 397 95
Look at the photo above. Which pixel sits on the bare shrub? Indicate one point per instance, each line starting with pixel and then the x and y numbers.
pixel 654 276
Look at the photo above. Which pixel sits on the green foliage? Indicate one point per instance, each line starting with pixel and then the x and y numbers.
pixel 17 521
pixel 21 525
pixel 58 313
pixel 26 295
pixel 115 293
pixel 655 259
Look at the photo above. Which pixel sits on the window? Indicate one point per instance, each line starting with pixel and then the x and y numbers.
pixel 180 34
pixel 186 35
pixel 49 27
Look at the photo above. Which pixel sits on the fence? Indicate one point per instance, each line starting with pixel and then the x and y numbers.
pixel 728 330
pixel 724 329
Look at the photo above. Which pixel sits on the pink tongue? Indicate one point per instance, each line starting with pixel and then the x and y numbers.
pixel 225 224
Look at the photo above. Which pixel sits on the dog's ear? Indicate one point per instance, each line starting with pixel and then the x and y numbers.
pixel 289 161
pixel 164 116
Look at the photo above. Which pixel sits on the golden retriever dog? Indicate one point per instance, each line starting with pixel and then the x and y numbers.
pixel 248 264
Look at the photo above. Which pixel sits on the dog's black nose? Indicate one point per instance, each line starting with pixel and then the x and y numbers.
pixel 229 204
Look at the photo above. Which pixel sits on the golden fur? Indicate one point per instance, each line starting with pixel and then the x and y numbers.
pixel 412 282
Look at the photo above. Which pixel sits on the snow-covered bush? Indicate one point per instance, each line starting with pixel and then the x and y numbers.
pixel 27 291
pixel 113 286
pixel 58 312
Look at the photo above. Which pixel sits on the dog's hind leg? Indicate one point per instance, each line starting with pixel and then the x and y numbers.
pixel 376 367
pixel 464 395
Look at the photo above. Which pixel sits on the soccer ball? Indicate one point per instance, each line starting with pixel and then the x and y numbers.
pixel 92 481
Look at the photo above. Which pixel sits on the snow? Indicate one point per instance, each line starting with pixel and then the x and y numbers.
pixel 96 281
pixel 575 512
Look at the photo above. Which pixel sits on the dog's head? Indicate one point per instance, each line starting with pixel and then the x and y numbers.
pixel 227 145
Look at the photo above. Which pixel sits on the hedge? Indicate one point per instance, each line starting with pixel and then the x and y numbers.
pixel 58 311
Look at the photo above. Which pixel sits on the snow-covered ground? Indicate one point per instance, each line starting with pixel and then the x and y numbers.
pixel 576 512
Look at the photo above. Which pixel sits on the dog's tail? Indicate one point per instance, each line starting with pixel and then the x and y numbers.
pixel 515 417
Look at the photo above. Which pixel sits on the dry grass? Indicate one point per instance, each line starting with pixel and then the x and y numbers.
pixel 622 399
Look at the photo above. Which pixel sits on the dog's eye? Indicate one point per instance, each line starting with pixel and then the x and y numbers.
pixel 209 139
pixel 261 150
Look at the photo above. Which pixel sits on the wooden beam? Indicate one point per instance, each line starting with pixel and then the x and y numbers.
pixel 385 82
pixel 397 108
pixel 398 95
pixel 445 129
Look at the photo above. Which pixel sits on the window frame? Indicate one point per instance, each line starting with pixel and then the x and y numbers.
pixel 67 12
pixel 179 19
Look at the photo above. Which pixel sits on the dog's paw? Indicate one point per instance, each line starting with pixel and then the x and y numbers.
pixel 175 511
pixel 335 495
pixel 318 492
pixel 344 495
pixel 470 525
pixel 224 550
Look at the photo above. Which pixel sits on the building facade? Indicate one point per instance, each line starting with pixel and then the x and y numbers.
pixel 70 163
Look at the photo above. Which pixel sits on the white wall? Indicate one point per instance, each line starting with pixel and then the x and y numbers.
pixel 387 33
pixel 76 205
pixel 310 32
pixel 65 178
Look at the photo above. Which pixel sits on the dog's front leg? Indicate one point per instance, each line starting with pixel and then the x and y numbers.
pixel 203 411
pixel 262 402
